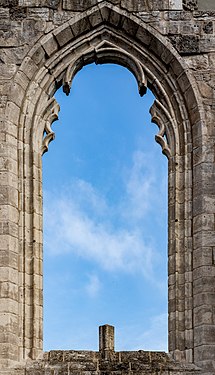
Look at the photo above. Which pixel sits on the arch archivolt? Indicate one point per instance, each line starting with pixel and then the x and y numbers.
pixel 54 61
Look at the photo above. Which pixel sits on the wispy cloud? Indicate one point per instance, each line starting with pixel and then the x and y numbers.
pixel 142 188
pixel 80 220
pixel 71 230
pixel 153 338
pixel 93 286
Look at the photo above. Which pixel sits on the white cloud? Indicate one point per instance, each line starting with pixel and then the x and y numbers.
pixel 86 197
pixel 79 221
pixel 72 230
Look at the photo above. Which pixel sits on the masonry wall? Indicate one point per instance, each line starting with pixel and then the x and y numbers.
pixel 189 27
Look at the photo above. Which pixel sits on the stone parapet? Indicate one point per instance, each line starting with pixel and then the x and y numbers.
pixel 92 363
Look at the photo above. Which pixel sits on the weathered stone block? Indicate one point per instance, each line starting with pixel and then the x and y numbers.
pixel 202 256
pixel 203 284
pixel 39 14
pixel 205 239
pixel 203 299
pixel 18 13
pixel 206 220
pixel 49 44
pixel 203 315
pixel 38 56
pixel 9 3
pixel 187 44
pixel 204 335
pixel 143 36
pixel 190 4
pixel 6 259
pixel 105 12
pixel 95 18
pixel 64 35
pixel 29 67
pixel 115 18
pixel 129 26
pixel 134 5
pixel 78 5
pixel 52 4
pixel 80 26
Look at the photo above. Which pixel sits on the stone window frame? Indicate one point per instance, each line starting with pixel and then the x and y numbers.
pixel 54 60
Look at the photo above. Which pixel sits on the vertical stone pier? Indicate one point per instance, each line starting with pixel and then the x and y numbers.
pixel 106 340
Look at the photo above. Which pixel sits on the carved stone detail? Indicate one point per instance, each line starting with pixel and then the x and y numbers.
pixel 161 118
pixel 51 112
pixel 106 53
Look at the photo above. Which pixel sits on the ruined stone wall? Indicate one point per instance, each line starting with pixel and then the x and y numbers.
pixel 169 45
pixel 93 363
pixel 105 361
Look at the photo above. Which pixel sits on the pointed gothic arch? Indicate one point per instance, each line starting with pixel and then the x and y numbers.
pixel 108 34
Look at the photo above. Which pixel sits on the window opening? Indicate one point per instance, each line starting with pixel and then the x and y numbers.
pixel 105 217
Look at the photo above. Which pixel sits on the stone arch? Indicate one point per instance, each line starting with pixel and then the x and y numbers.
pixel 103 34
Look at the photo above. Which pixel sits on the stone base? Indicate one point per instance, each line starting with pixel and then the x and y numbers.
pixel 100 363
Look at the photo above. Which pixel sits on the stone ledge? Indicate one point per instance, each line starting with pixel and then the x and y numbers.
pixel 90 363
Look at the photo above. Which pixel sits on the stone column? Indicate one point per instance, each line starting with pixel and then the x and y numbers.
pixel 106 340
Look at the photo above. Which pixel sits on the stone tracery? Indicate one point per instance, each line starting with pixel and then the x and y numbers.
pixel 51 115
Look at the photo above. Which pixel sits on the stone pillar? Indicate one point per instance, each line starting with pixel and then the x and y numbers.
pixel 9 218
pixel 106 340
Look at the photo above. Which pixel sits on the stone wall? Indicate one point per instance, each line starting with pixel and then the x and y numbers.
pixel 93 363
pixel 105 361
pixel 170 47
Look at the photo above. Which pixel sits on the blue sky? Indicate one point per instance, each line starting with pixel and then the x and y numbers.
pixel 105 217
